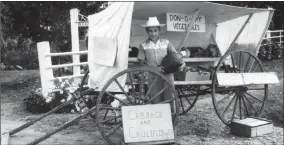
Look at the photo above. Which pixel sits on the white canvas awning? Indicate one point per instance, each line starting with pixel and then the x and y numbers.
pixel 223 21
pixel 215 13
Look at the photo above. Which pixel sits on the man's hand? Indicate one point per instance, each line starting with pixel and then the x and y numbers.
pixel 160 69
pixel 181 68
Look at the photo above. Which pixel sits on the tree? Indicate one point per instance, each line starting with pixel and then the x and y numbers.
pixel 32 19
pixel 2 42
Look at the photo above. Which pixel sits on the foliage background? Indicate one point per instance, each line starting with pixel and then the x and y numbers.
pixel 25 23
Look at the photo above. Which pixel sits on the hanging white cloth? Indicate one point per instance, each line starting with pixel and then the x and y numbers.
pixel 114 22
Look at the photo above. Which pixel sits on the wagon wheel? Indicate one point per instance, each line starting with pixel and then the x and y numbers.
pixel 109 118
pixel 188 96
pixel 84 81
pixel 238 102
pixel 87 100
pixel 88 96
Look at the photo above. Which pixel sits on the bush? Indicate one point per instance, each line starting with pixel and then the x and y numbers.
pixel 35 103
pixel 270 51
pixel 20 51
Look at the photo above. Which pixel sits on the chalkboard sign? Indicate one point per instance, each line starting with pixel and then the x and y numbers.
pixel 147 123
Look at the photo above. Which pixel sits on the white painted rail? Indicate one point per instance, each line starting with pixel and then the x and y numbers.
pixel 66 53
pixel 67 77
pixel 44 55
pixel 67 65
pixel 274 34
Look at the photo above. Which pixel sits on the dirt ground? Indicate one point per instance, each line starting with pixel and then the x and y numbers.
pixel 199 126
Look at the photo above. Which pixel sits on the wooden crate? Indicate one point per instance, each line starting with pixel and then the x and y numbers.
pixel 251 127
pixel 191 76
pixel 195 62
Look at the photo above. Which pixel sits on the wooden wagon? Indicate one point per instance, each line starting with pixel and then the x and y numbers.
pixel 236 80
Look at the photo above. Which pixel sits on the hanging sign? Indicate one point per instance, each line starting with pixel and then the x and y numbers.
pixel 180 22
pixel 146 123
pixel 105 51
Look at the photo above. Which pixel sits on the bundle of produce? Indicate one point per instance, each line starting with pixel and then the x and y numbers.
pixel 172 62
pixel 212 50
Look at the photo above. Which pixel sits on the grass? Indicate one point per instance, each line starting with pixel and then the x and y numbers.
pixel 274 105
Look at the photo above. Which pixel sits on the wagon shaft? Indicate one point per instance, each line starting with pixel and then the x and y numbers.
pixel 66 125
pixel 40 118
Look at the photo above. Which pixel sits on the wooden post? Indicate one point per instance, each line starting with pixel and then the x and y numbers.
pixel 268 36
pixel 5 139
pixel 74 19
pixel 280 41
pixel 46 74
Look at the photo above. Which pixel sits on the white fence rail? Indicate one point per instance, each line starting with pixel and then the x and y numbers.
pixel 44 55
pixel 66 53
pixel 276 35
pixel 46 67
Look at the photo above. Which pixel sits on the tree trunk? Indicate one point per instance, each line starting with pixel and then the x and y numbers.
pixel 1 42
pixel 1 37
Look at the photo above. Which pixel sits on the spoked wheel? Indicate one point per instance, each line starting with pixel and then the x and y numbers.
pixel 84 82
pixel 187 96
pixel 88 97
pixel 87 100
pixel 238 102
pixel 140 89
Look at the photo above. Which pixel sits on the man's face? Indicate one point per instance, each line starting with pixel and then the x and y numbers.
pixel 153 33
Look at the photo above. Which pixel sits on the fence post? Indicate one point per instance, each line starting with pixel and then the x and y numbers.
pixel 268 35
pixel 46 74
pixel 74 19
pixel 280 42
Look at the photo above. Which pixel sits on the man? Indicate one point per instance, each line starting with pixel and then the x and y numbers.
pixel 152 52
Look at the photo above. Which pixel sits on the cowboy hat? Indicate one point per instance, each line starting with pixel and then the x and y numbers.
pixel 153 22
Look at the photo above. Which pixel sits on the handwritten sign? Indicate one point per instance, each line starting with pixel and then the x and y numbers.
pixel 144 123
pixel 180 22
pixel 105 51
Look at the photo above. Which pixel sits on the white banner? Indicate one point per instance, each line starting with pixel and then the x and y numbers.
pixel 179 22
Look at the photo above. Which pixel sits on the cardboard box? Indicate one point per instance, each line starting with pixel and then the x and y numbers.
pixel 251 127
